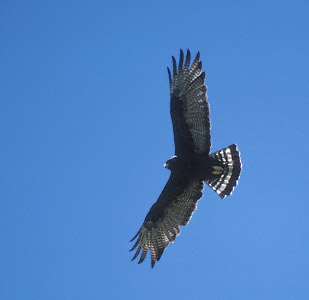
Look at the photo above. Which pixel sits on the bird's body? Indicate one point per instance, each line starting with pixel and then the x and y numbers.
pixel 191 165
pixel 196 165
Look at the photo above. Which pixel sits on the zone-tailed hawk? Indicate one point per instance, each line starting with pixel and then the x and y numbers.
pixel 191 166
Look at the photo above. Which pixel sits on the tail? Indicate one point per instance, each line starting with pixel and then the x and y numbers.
pixel 225 175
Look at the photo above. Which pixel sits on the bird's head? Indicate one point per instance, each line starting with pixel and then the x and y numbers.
pixel 170 164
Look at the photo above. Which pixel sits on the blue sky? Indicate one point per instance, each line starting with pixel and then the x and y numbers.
pixel 85 131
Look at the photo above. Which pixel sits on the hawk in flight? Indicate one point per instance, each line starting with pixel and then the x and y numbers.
pixel 191 166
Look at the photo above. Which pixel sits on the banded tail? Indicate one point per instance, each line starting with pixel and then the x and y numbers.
pixel 225 177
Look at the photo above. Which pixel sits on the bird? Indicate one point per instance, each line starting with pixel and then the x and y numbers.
pixel 191 166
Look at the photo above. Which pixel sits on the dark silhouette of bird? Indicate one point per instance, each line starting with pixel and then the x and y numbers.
pixel 191 166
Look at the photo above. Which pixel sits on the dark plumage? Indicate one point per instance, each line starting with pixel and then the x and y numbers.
pixel 191 166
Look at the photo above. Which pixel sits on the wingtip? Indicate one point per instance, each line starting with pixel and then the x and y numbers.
pixel 160 252
pixel 197 58
pixel 180 60
pixel 133 247
pixel 174 66
pixel 134 237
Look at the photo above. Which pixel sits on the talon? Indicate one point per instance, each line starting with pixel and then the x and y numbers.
pixel 217 170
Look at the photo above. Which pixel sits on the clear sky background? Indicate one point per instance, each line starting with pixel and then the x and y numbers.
pixel 85 130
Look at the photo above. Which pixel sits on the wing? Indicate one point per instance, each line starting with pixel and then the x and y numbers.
pixel 189 107
pixel 173 208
